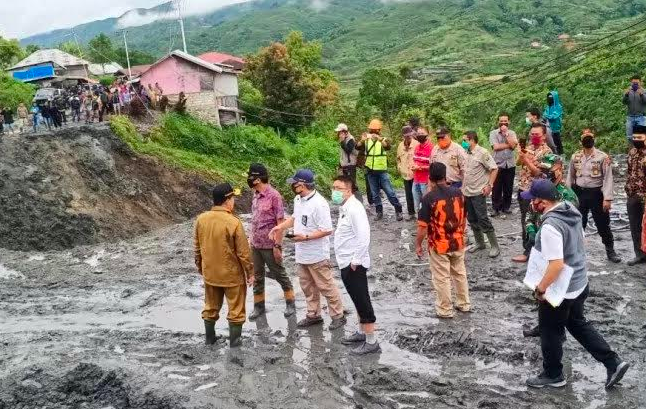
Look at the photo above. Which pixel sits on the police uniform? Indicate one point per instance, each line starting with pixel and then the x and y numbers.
pixel 591 179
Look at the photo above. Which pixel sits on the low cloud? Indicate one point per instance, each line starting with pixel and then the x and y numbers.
pixel 136 18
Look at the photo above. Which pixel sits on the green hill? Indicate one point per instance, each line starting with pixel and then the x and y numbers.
pixel 440 40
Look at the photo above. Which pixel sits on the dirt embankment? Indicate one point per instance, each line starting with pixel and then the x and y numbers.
pixel 84 185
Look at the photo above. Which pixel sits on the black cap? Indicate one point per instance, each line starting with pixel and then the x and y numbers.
pixel 437 172
pixel 222 192
pixel 640 129
pixel 257 170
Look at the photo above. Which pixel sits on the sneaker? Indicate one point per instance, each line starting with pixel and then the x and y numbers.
pixel 337 323
pixel 495 213
pixel 399 216
pixel 379 216
pixel 354 338
pixel 543 380
pixel 366 348
pixel 309 321
pixel 636 260
pixel 616 376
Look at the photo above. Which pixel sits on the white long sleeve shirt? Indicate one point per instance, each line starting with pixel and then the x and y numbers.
pixel 352 235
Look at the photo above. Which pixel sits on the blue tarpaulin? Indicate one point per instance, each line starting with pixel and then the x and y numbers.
pixel 34 73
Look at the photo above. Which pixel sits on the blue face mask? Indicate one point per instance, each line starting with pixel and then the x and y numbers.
pixel 337 197
pixel 466 145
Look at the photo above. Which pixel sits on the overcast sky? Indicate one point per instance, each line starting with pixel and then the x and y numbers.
pixel 45 15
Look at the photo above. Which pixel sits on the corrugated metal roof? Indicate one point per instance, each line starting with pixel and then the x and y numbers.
pixel 105 69
pixel 58 57
pixel 188 57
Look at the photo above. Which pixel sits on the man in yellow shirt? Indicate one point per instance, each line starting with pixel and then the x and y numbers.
pixel 223 258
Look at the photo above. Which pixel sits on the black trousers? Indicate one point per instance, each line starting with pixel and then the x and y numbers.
pixel 351 172
pixel 410 202
pixel 556 136
pixel 356 282
pixel 477 214
pixel 570 314
pixel 635 208
pixel 524 210
pixel 503 189
pixel 591 200
pixel 368 190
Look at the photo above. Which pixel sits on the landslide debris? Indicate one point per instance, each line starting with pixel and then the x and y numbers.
pixel 79 186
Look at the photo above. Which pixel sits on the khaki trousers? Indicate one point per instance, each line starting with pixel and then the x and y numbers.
pixel 317 279
pixel 447 268
pixel 213 298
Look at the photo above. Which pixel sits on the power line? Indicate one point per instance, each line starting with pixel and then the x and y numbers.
pixel 567 72
pixel 532 68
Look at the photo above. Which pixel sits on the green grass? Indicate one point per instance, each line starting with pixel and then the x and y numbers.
pixel 225 154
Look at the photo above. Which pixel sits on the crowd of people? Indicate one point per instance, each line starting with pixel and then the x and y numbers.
pixel 87 103
pixel 447 185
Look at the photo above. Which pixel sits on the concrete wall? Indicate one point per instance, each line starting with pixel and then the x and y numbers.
pixel 201 105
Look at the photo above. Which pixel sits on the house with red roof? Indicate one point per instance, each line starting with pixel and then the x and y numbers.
pixel 218 58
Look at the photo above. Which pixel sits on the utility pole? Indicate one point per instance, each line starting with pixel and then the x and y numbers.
pixel 80 53
pixel 181 23
pixel 125 42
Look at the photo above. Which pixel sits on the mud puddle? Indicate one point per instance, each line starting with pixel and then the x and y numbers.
pixel 118 325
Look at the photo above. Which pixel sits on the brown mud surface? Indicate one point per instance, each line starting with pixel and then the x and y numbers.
pixel 117 325
pixel 83 185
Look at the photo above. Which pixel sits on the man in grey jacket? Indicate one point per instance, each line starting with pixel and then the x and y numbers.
pixel 635 101
pixel 560 241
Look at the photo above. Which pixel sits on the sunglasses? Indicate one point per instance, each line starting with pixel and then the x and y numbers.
pixel 535 134
pixel 441 136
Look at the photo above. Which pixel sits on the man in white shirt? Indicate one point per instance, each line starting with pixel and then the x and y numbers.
pixel 312 225
pixel 351 248
pixel 560 241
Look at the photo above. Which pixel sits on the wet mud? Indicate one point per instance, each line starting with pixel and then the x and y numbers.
pixel 117 325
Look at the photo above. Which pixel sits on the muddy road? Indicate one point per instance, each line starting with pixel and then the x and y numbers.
pixel 118 326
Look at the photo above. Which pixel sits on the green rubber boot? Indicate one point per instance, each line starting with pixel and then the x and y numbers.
pixel 235 335
pixel 493 242
pixel 209 330
pixel 480 241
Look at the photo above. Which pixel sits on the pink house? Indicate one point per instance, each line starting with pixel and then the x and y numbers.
pixel 211 90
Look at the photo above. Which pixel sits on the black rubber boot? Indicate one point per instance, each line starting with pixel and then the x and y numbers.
pixel 235 335
pixel 290 308
pixel 258 310
pixel 612 255
pixel 209 330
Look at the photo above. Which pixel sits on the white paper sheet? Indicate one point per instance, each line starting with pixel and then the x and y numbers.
pixel 536 267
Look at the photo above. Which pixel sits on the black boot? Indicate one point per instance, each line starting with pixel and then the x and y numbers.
pixel 258 310
pixel 209 330
pixel 235 335
pixel 636 260
pixel 379 216
pixel 612 255
pixel 532 333
pixel 290 308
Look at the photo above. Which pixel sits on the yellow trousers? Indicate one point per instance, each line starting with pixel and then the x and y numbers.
pixel 213 298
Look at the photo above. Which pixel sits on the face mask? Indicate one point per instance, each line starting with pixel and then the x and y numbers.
pixel 466 145
pixel 422 139
pixel 528 121
pixel 251 183
pixel 537 207
pixel 337 197
pixel 443 143
pixel 587 141
pixel 550 100
pixel 639 144
pixel 296 189
pixel 635 86
pixel 537 140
